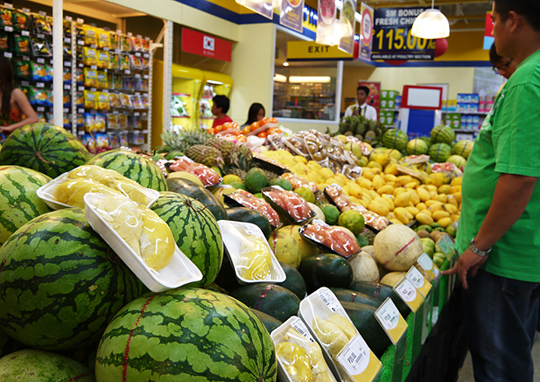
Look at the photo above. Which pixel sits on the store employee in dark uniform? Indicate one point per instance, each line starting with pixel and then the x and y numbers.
pixel 361 107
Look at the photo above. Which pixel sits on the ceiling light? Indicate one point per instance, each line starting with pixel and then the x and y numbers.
pixel 309 79
pixel 431 24
pixel 285 63
pixel 280 78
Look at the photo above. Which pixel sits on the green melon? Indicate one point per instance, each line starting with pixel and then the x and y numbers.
pixel 195 231
pixel 463 148
pixel 439 152
pixel 417 146
pixel 133 166
pixel 39 366
pixel 19 202
pixel 44 147
pixel 458 160
pixel 60 283
pixel 186 334
pixel 395 139
pixel 443 134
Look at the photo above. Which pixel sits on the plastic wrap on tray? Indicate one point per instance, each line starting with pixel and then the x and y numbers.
pixel 205 174
pixel 269 164
pixel 335 194
pixel 297 182
pixel 330 238
pixel 293 207
pixel 247 199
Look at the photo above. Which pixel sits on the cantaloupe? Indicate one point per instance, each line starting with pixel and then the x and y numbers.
pixel 364 268
pixel 397 247
pixel 392 278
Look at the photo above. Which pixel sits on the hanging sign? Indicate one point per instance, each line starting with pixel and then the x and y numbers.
pixel 392 39
pixel 206 45
pixel 292 14
pixel 326 22
pixel 366 31
pixel 262 7
pixel 310 50
pixel 488 32
pixel 347 26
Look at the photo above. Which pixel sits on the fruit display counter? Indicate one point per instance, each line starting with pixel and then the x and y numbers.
pixel 310 257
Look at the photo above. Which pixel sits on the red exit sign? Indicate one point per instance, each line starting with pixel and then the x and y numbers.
pixel 206 45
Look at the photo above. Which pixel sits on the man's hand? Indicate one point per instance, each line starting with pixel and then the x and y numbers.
pixel 468 261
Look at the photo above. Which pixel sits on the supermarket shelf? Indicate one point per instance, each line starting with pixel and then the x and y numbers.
pixel 467 112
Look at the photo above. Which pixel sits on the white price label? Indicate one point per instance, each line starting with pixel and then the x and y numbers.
pixel 137 54
pixel 40 35
pixel 68 64
pixel 146 55
pixel 8 29
pixel 93 67
pixel 25 83
pixel 145 76
pixel 25 33
pixel 425 262
pixel 42 13
pixel 40 85
pixel 329 299
pixel 127 71
pixel 415 277
pixel 67 40
pixel 93 89
pixel 8 5
pixel 301 328
pixel 388 314
pixel 8 54
pixel 40 60
pixel 69 18
pixel 67 86
pixel 66 110
pixel 80 88
pixel 80 111
pixel 137 75
pixel 355 356
pixel 406 290
pixel 80 42
pixel 136 114
pixel 40 109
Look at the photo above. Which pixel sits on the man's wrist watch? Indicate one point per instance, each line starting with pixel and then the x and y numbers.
pixel 478 251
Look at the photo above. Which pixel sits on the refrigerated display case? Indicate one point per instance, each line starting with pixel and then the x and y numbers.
pixel 186 88
pixel 215 84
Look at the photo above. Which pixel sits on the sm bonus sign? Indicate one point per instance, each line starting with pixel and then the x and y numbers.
pixel 392 39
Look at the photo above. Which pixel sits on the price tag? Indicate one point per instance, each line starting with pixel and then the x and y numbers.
pixel 391 320
pixel 136 114
pixel 145 76
pixel 40 85
pixel 67 86
pixel 25 33
pixel 137 54
pixel 358 360
pixel 40 60
pixel 80 21
pixel 80 110
pixel 67 40
pixel 137 75
pixel 105 90
pixel 41 109
pixel 42 13
pixel 25 83
pixel 301 328
pixel 93 89
pixel 40 35
pixel 93 46
pixel 80 65
pixel 8 54
pixel 67 64
pixel 129 34
pixel 408 294
pixel 127 71
pixel 80 88
pixel 26 10
pixel 8 28
pixel 66 110
pixel 69 18
pixel 146 55
pixel 430 271
pixel 418 281
pixel 80 42
pixel 447 246
pixel 329 299
pixel 93 67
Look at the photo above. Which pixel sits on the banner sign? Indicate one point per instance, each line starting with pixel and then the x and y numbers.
pixel 292 14
pixel 206 45
pixel 262 7
pixel 310 50
pixel 392 39
pixel 488 38
pixel 347 23
pixel 326 22
pixel 366 32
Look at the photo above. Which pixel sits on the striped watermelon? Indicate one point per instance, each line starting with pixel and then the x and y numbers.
pixel 439 152
pixel 60 284
pixel 186 334
pixel 443 134
pixel 44 147
pixel 463 148
pixel 458 160
pixel 18 200
pixel 395 139
pixel 38 366
pixel 417 146
pixel 133 166
pixel 195 231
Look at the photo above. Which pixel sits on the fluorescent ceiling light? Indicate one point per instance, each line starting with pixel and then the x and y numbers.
pixel 285 63
pixel 431 24
pixel 308 79
pixel 280 78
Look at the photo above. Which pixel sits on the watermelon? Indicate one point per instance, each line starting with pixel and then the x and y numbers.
pixel 463 148
pixel 439 152
pixel 44 147
pixel 133 166
pixel 417 147
pixel 19 202
pixel 38 366
pixel 395 139
pixel 186 334
pixel 195 231
pixel 60 283
pixel 458 160
pixel 442 134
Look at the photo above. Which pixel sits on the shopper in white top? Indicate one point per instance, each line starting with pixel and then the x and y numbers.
pixel 361 107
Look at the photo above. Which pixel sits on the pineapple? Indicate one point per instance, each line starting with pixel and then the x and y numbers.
pixel 209 156
pixel 235 171
pixel 226 147
pixel 233 154
pixel 183 139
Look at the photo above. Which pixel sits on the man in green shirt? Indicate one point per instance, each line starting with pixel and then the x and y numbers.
pixel 498 235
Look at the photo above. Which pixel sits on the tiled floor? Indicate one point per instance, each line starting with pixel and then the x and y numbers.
pixel 466 373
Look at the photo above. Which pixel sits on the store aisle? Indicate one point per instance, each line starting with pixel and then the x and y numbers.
pixel 466 373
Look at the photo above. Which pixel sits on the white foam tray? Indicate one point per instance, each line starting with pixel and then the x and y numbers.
pixel 180 270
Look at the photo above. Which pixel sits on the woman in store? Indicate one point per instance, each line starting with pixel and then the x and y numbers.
pixel 255 114
pixel 16 111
